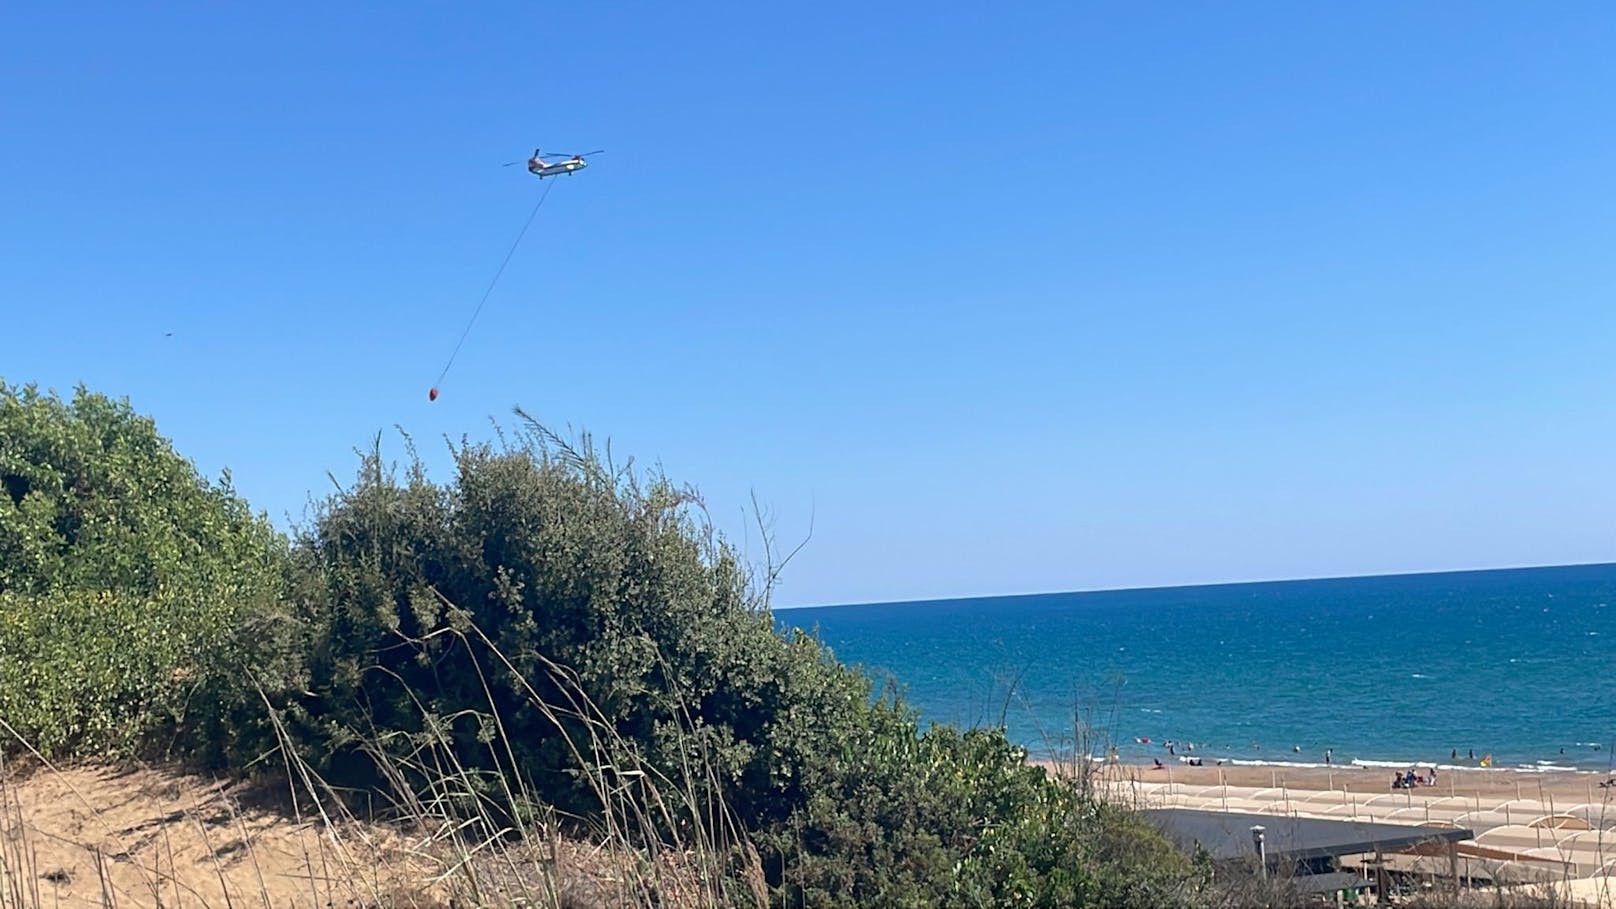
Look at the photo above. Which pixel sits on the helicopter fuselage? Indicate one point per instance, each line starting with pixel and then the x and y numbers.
pixel 542 170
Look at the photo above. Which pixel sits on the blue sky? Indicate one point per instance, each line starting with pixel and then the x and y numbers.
pixel 1011 299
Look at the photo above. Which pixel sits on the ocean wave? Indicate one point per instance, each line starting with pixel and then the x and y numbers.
pixel 1354 766
pixel 1368 764
pixel 1254 762
pixel 1419 675
pixel 1539 767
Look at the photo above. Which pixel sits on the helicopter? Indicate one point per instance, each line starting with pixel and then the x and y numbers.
pixel 570 164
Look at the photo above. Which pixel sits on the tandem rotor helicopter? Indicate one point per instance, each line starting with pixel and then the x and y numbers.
pixel 569 164
pixel 560 164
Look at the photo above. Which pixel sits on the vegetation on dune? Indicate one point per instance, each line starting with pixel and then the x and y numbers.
pixel 556 635
pixel 564 561
pixel 135 595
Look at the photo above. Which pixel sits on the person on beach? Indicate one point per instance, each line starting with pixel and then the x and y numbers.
pixel 1454 756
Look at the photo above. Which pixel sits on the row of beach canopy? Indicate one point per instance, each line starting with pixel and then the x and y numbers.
pixel 1522 838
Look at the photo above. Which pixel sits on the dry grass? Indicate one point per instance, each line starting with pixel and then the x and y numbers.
pixel 100 836
pixel 436 834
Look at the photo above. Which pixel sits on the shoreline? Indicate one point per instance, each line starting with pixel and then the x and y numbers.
pixel 1561 786
pixel 1139 757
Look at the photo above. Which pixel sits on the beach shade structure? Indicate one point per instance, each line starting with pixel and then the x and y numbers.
pixel 1324 797
pixel 1584 840
pixel 1561 822
pixel 1344 810
pixel 1449 809
pixel 1420 814
pixel 1576 864
pixel 1516 837
pixel 1251 806
pixel 1215 801
pixel 1456 803
pixel 1203 790
pixel 1599 815
pixel 1172 801
pixel 1589 851
pixel 1597 892
pixel 1525 808
pixel 1494 818
pixel 1536 813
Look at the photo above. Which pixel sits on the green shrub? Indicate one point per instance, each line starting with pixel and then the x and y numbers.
pixel 562 561
pixel 944 817
pixel 139 603
pixel 544 630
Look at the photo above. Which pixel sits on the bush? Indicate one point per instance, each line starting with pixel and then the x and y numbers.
pixel 476 617
pixel 134 594
pixel 547 631
pixel 955 818
pixel 562 562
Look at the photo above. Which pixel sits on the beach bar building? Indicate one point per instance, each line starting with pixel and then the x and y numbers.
pixel 1309 853
pixel 1537 845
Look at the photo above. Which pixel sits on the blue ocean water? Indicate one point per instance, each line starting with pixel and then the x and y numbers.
pixel 1519 664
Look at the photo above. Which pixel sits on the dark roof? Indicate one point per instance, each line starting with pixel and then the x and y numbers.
pixel 1228 836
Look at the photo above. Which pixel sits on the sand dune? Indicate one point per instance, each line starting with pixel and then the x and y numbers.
pixel 97 836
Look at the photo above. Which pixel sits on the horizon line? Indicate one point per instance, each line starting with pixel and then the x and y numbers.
pixel 1193 585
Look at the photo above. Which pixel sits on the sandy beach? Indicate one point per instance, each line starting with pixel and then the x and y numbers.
pixel 1490 786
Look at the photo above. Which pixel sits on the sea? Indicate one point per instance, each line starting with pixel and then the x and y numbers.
pixel 1511 669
